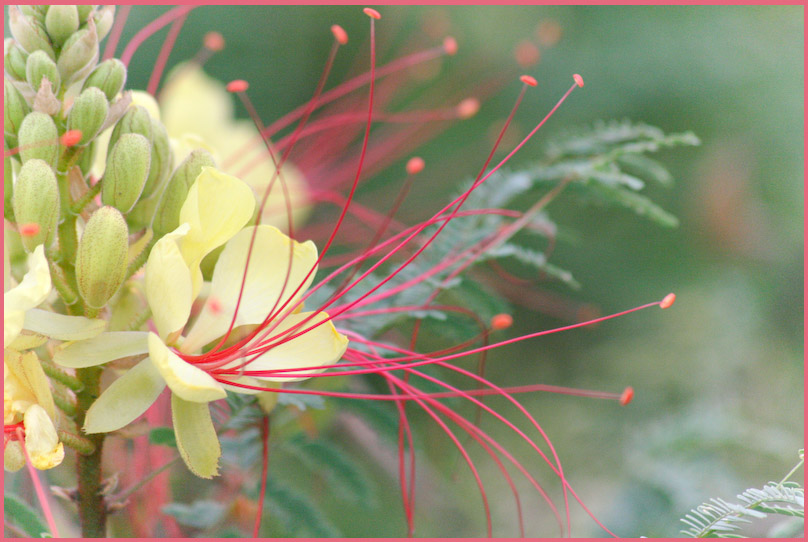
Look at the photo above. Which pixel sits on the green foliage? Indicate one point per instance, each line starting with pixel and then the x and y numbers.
pixel 200 514
pixel 163 436
pixel 18 512
pixel 299 515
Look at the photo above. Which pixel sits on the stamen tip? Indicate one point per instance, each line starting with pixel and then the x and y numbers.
pixel 667 301
pixel 578 79
pixel 214 41
pixel 528 80
pixel 239 85
pixel 526 54
pixel 372 13
pixel 468 108
pixel 415 165
pixel 70 138
pixel 501 321
pixel 29 230
pixel 215 305
pixel 450 45
pixel 626 396
pixel 339 34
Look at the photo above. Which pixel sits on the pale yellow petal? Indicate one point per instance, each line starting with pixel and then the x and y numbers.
pixel 185 380
pixel 62 326
pixel 196 436
pixel 41 440
pixel 125 399
pixel 31 292
pixel 106 347
pixel 27 382
pixel 13 456
pixel 192 102
pixel 266 286
pixel 168 283
pixel 147 101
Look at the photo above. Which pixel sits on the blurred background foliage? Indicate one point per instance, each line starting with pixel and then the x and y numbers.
pixel 719 378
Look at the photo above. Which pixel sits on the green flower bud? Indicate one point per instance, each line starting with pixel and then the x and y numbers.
pixel 136 120
pixel 15 108
pixel 8 183
pixel 40 65
pixel 162 159
pixel 84 12
pixel 103 20
pixel 38 138
pixel 14 61
pixel 102 257
pixel 126 172
pixel 37 12
pixel 61 22
pixel 36 203
pixel 28 32
pixel 87 159
pixel 167 217
pixel 109 76
pixel 79 54
pixel 88 114
pixel 142 213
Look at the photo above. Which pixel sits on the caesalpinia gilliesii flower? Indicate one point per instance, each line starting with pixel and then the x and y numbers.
pixel 215 213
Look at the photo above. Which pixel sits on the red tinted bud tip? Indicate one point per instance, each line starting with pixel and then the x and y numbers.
pixel 29 230
pixel 450 45
pixel 528 80
pixel 667 301
pixel 627 396
pixel 501 321
pixel 214 41
pixel 372 13
pixel 578 79
pixel 339 34
pixel 526 54
pixel 70 138
pixel 415 165
pixel 239 85
pixel 468 108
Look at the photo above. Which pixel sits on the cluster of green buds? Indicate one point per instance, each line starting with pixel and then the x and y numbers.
pixel 66 120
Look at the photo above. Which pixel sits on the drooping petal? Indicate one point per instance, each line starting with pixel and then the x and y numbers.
pixel 41 440
pixel 25 383
pixel 13 456
pixel 168 283
pixel 125 399
pixel 185 380
pixel 31 292
pixel 61 326
pixel 319 346
pixel 216 208
pixel 196 437
pixel 106 347
pixel 267 270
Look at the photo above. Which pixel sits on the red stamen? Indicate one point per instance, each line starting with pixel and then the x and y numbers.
pixel 627 396
pixel 415 165
pixel 528 80
pixel 468 108
pixel 239 85
pixel 339 34
pixel 29 230
pixel 165 52
pixel 150 29
pixel 548 32
pixel 117 29
pixel 578 79
pixel 450 45
pixel 214 41
pixel 501 321
pixel 667 301
pixel 526 54
pixel 70 138
pixel 372 13
pixel 264 473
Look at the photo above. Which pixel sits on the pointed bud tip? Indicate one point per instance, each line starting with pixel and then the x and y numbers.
pixel 29 230
pixel 578 79
pixel 528 80
pixel 372 13
pixel 627 396
pixel 214 41
pixel 339 34
pixel 70 138
pixel 468 108
pixel 667 301
pixel 450 45
pixel 239 85
pixel 415 165
pixel 501 321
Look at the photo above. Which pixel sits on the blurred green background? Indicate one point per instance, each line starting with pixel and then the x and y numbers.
pixel 718 378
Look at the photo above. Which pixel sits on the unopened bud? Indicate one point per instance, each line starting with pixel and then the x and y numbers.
pixel 84 12
pixel 38 66
pixel 136 120
pixel 8 184
pixel 103 20
pixel 36 201
pixel 88 114
pixel 162 159
pixel 79 54
pixel 109 77
pixel 14 61
pixel 61 22
pixel 29 32
pixel 15 108
pixel 36 12
pixel 38 138
pixel 126 172
pixel 101 260
pixel 167 217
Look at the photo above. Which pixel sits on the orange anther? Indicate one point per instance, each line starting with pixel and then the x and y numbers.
pixel 468 108
pixel 372 13
pixel 528 80
pixel 501 321
pixel 239 85
pixel 214 41
pixel 215 305
pixel 70 138
pixel 526 54
pixel 450 45
pixel 29 230
pixel 339 34
pixel 578 79
pixel 667 301
pixel 415 165
pixel 627 396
